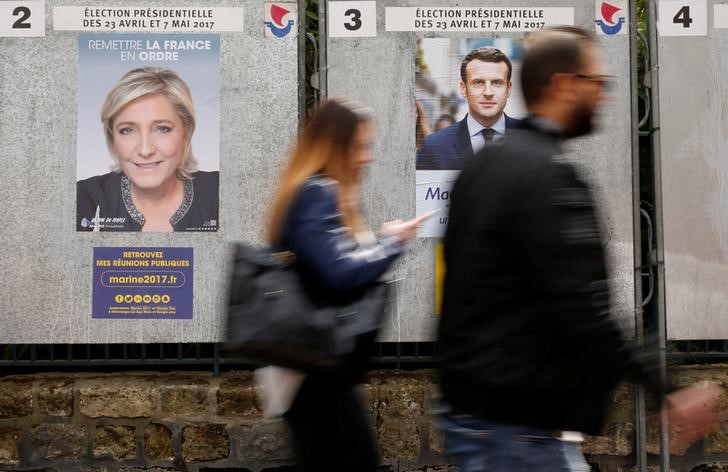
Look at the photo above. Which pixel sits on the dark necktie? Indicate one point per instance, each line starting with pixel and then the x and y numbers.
pixel 488 134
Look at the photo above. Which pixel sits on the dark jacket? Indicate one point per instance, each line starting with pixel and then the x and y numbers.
pixel 324 250
pixel 525 335
pixel 331 261
pixel 111 193
pixel 449 148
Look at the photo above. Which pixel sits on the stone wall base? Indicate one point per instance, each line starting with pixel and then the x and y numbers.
pixel 156 422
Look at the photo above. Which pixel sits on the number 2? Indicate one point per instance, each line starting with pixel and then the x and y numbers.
pixel 355 19
pixel 21 23
pixel 683 16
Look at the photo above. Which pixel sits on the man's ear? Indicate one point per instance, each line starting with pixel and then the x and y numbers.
pixel 463 89
pixel 561 87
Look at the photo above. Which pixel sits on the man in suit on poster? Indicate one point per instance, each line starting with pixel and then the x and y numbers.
pixel 485 83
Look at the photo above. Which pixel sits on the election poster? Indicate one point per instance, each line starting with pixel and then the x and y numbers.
pixel 148 132
pixel 467 98
pixel 142 283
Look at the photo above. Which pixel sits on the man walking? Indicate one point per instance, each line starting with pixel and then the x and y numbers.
pixel 528 349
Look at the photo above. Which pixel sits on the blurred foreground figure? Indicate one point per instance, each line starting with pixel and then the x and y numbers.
pixel 315 214
pixel 528 350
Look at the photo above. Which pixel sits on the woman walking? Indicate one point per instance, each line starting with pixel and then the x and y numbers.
pixel 315 215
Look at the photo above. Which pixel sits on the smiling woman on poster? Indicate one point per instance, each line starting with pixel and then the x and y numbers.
pixel 148 119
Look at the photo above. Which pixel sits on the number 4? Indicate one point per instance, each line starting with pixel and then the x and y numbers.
pixel 683 16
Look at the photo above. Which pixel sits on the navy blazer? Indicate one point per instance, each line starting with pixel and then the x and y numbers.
pixel 448 148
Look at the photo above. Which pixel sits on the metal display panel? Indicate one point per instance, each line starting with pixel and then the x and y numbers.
pixel 48 289
pixel 379 70
pixel 694 168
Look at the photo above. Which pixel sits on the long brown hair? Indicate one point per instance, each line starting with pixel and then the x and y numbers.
pixel 324 146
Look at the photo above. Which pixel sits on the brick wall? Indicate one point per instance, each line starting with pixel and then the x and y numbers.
pixel 197 422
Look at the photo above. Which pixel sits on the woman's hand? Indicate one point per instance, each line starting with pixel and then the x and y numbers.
pixel 406 230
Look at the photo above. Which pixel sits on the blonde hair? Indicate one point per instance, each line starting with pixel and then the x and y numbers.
pixel 138 83
pixel 324 147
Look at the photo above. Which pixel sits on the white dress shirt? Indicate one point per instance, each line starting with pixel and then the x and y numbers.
pixel 477 141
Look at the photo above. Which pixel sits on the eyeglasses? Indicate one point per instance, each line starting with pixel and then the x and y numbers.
pixel 606 82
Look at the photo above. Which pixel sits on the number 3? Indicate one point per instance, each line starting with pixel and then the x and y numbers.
pixel 355 19
pixel 21 23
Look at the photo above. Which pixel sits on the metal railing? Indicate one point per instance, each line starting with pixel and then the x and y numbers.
pixel 204 356
pixel 194 356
